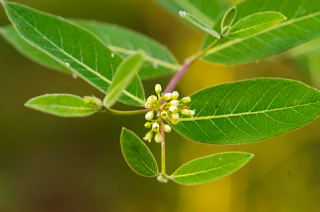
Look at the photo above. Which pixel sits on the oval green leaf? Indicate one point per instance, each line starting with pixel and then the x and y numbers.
pixel 301 27
pixel 71 46
pixel 249 111
pixel 10 34
pixel 159 60
pixel 210 168
pixel 64 105
pixel 199 24
pixel 126 72
pixel 137 155
pixel 256 23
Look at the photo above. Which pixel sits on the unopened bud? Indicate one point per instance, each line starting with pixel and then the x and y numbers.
pixel 155 127
pixel 173 109
pixel 167 128
pixel 175 95
pixel 149 115
pixel 174 102
pixel 158 88
pixel 186 100
pixel 167 96
pixel 158 138
pixel 147 125
pixel 148 136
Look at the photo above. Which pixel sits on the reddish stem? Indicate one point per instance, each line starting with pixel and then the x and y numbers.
pixel 174 81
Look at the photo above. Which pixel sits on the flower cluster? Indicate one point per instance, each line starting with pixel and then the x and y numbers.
pixel 166 107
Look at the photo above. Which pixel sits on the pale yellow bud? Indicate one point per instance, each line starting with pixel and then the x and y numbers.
pixel 149 115
pixel 155 127
pixel 147 125
pixel 173 109
pixel 167 128
pixel 158 88
pixel 167 96
pixel 175 121
pixel 175 116
pixel 148 105
pixel 175 95
pixel 148 137
pixel 174 102
pixel 186 100
pixel 158 138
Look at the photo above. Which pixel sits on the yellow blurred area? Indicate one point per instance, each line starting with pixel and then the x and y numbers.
pixel 49 164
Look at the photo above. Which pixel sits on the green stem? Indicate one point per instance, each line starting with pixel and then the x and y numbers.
pixel 163 150
pixel 201 54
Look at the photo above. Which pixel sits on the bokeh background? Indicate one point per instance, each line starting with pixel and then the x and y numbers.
pixel 50 164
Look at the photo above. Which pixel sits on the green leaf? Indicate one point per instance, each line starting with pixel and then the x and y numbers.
pixel 71 46
pixel 208 11
pixel 228 19
pixel 159 60
pixel 301 27
pixel 127 70
pixel 10 34
pixel 249 111
pixel 64 105
pixel 137 155
pixel 210 168
pixel 200 25
pixel 256 23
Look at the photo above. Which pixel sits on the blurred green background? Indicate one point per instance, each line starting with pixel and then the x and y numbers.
pixel 50 164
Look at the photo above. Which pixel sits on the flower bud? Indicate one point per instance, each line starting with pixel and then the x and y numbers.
pixel 175 95
pixel 164 114
pixel 148 105
pixel 167 128
pixel 174 102
pixel 152 99
pixel 173 109
pixel 167 96
pixel 147 125
pixel 158 138
pixel 158 88
pixel 155 127
pixel 149 115
pixel 175 121
pixel 186 100
pixel 175 116
pixel 148 136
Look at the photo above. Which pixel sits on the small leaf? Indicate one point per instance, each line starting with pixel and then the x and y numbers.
pixel 10 34
pixel 71 46
pixel 137 155
pixel 256 23
pixel 249 111
pixel 210 168
pixel 64 105
pixel 199 24
pixel 127 70
pixel 228 20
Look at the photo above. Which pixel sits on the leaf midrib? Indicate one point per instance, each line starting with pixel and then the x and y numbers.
pixel 230 43
pixel 70 56
pixel 244 113
pixel 145 56
pixel 204 171
pixel 65 107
